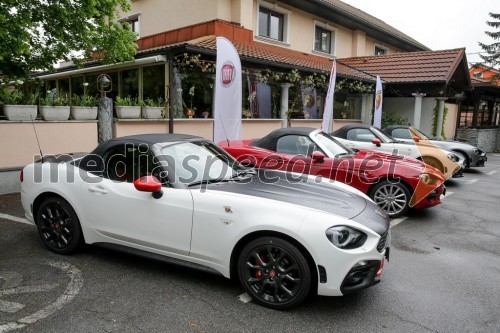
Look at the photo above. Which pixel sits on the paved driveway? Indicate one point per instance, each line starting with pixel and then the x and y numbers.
pixel 443 276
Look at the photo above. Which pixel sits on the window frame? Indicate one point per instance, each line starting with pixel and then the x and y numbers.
pixel 286 22
pixel 380 47
pixel 133 18
pixel 333 38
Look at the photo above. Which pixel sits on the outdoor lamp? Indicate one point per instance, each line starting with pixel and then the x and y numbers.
pixel 104 84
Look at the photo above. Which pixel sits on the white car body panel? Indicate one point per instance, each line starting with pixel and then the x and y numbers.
pixel 201 227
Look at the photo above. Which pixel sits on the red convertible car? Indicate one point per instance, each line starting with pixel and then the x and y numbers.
pixel 394 182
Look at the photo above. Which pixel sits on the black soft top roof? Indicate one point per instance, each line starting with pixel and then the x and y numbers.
pixel 269 141
pixel 149 139
pixel 342 132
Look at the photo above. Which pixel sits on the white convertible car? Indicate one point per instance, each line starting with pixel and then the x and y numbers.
pixel 182 199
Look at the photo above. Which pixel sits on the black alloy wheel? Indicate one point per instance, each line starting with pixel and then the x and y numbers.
pixel 274 272
pixel 58 226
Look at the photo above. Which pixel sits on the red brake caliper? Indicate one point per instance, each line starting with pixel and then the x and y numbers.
pixel 258 274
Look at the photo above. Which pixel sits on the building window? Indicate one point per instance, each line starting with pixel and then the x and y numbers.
pixel 380 51
pixel 272 24
pixel 323 40
pixel 133 24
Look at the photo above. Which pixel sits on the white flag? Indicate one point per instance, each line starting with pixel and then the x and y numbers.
pixel 327 123
pixel 227 113
pixel 377 118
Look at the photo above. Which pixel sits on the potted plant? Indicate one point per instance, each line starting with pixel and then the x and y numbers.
pixel 190 111
pixel 127 108
pixel 18 106
pixel 246 113
pixel 153 109
pixel 54 108
pixel 83 108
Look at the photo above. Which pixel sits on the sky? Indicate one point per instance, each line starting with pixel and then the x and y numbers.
pixel 438 24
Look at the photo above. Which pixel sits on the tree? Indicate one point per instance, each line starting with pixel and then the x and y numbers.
pixel 35 34
pixel 493 50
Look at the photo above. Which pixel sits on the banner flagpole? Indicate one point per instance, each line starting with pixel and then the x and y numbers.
pixel 327 124
pixel 228 86
pixel 377 118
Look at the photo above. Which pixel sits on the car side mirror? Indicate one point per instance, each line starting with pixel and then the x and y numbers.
pixel 149 184
pixel 376 142
pixel 416 139
pixel 317 156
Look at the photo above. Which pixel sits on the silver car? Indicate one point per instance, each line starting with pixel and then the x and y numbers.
pixel 474 157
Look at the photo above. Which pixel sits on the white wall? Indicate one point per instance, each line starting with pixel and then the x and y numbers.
pixel 405 106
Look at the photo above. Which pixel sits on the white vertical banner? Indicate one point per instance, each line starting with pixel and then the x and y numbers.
pixel 327 123
pixel 227 113
pixel 377 117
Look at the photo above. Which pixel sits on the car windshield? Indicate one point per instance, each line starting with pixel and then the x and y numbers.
pixel 333 147
pixel 384 137
pixel 198 162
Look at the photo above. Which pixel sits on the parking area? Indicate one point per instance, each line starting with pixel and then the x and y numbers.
pixel 443 277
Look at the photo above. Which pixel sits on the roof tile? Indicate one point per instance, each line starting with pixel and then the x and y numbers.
pixel 422 66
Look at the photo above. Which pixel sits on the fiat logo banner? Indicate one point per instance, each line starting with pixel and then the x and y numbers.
pixel 227 74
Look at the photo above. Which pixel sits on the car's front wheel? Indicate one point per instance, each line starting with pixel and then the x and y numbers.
pixel 465 157
pixel 274 272
pixel 393 197
pixel 58 225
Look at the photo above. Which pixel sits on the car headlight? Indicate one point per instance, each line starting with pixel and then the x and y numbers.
pixel 453 157
pixel 345 237
pixel 427 179
pixel 478 151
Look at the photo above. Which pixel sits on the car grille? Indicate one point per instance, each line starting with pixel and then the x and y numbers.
pixel 381 243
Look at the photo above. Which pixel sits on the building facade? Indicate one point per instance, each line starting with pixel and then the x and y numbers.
pixel 286 48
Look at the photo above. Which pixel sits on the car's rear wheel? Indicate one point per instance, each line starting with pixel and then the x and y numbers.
pixel 274 272
pixel 58 225
pixel 392 197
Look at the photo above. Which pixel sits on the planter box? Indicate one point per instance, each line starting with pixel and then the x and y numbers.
pixel 20 112
pixel 83 112
pixel 54 113
pixel 152 112
pixel 128 112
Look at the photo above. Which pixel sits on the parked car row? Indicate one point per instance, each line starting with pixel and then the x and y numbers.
pixel 388 180
pixel 473 156
pixel 369 137
pixel 292 213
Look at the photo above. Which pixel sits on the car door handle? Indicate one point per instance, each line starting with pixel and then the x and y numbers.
pixel 97 189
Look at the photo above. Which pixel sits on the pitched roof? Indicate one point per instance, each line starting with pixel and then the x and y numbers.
pixel 274 55
pixel 424 66
pixel 372 20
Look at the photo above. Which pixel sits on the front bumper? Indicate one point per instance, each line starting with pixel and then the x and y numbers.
pixel 361 277
pixel 367 273
pixel 481 160
pixel 432 199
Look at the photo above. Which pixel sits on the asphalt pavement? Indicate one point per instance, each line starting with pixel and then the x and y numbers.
pixel 443 276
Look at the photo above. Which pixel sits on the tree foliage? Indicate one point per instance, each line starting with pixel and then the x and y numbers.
pixel 492 58
pixel 35 34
